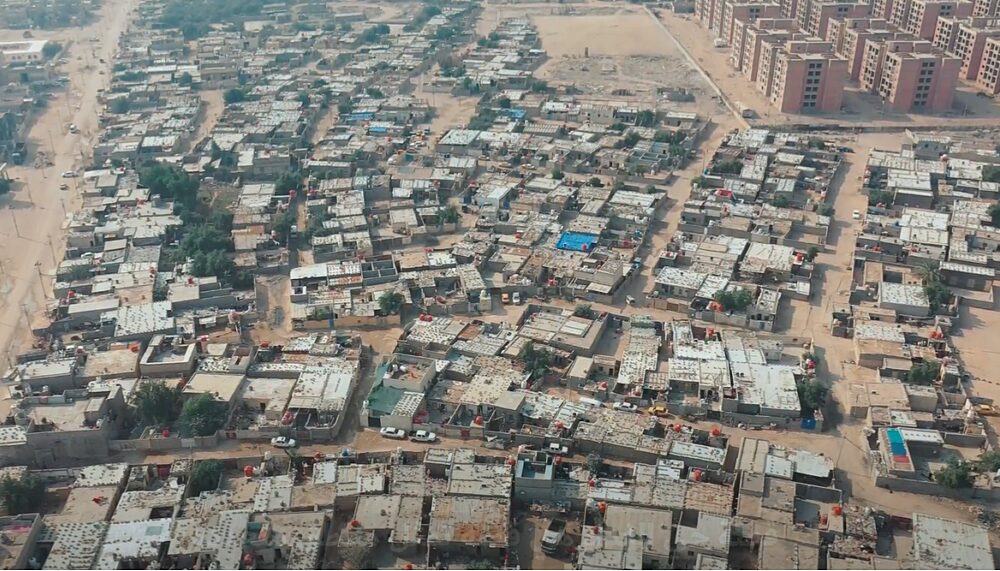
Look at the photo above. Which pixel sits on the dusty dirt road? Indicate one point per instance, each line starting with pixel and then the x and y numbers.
pixel 37 206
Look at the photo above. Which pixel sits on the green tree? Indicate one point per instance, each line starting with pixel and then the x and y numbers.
pixel 234 95
pixel 205 476
pixel 557 174
pixel 288 182
pixel 876 197
pixel 994 212
pixel 535 361
pixel 734 300
pixel 391 302
pixel 304 99
pixel 169 182
pixel 201 415
pixel 204 238
pixel 79 272
pixel 51 49
pixel 283 223
pixel 215 263
pixel 119 106
pixel 156 404
pixel 585 311
pixel 728 166
pixel 780 201
pixel 991 173
pixel 989 461
pixel 955 475
pixel 812 394
pixel 503 103
pixel 630 139
pixel 812 252
pixel 923 373
pixel 185 80
pixel 539 86
pixel 824 210
pixel 374 93
pixel 595 463
pixel 5 186
pixel 937 295
pixel 929 273
pixel 22 495
pixel 450 215
pixel 595 182
pixel 645 118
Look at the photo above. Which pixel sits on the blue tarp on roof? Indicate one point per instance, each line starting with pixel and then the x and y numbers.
pixel 576 241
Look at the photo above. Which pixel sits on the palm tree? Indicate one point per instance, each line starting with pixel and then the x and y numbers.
pixel 929 273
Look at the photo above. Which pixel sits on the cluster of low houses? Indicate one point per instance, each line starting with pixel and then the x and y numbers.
pixel 707 505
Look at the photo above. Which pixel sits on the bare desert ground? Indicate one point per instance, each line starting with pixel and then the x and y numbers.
pixel 622 34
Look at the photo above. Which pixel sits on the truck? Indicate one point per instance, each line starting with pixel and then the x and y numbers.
pixel 553 536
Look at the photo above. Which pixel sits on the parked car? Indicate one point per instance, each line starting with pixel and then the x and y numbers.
pixel 658 410
pixel 505 298
pixel 556 448
pixel 64 186
pixel 283 442
pixel 394 433
pixel 553 537
pixel 856 215
pixel 626 406
pixel 517 298
pixel 423 436
pixel 69 174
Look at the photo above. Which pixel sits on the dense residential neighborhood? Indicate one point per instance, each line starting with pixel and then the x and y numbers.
pixel 426 285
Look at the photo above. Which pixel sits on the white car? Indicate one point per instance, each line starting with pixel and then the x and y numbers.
pixel 556 448
pixel 64 186
pixel 283 442
pixel 626 406
pixel 423 436
pixel 856 215
pixel 516 298
pixel 69 174
pixel 394 433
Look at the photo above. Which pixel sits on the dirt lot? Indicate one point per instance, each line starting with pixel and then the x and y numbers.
pixel 627 33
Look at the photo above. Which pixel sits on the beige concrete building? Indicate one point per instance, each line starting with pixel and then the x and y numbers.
pixel 849 37
pixel 965 38
pixel 807 76
pixel 910 75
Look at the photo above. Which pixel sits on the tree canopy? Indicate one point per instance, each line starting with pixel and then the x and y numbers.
pixel 924 373
pixel 391 302
pixel 205 476
pixel 734 300
pixel 156 404
pixel 234 95
pixel 21 495
pixel 812 394
pixel 170 183
pixel 201 415
pixel 536 361
pixel 955 475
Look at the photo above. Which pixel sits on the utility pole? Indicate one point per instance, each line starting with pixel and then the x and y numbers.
pixel 52 250
pixel 41 282
pixel 16 229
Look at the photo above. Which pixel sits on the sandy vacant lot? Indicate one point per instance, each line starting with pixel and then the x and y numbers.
pixel 613 34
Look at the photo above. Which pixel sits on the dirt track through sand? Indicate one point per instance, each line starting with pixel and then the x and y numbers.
pixel 37 204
